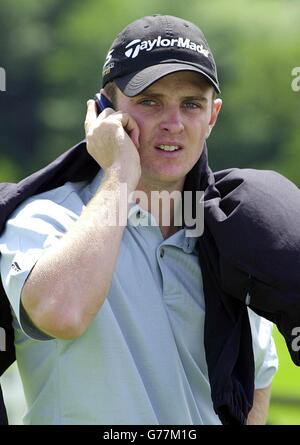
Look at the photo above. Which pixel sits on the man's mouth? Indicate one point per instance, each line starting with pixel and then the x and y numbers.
pixel 169 148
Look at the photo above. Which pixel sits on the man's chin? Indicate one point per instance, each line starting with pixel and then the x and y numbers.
pixel 163 180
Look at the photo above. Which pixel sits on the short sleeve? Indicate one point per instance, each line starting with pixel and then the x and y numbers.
pixel 265 355
pixel 33 228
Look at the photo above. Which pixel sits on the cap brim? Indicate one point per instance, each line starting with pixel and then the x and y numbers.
pixel 134 83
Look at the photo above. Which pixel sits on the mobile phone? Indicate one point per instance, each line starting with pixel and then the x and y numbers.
pixel 102 102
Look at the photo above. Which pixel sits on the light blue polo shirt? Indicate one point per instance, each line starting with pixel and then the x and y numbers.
pixel 142 359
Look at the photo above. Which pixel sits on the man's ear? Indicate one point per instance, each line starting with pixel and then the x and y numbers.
pixel 216 107
pixel 111 92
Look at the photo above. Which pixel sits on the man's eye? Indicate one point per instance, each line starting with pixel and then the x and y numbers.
pixel 148 102
pixel 191 105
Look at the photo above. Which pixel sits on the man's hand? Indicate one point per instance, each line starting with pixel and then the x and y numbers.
pixel 113 140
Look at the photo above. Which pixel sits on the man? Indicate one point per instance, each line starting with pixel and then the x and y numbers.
pixel 109 318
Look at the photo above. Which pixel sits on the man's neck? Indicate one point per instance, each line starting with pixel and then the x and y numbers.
pixel 164 202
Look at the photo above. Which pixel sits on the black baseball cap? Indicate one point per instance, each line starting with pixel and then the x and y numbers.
pixel 154 46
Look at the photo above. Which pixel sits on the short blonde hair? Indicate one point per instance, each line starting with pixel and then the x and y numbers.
pixel 111 92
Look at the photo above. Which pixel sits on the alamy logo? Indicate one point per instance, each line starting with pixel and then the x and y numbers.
pixel 296 81
pixel 2 79
pixel 2 340
pixel 296 340
pixel 137 45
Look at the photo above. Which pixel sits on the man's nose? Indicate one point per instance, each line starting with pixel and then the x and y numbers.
pixel 172 120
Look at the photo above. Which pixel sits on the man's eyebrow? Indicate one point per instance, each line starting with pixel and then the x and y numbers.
pixel 199 96
pixel 196 97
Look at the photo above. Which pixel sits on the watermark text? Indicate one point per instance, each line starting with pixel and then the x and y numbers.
pixel 296 79
pixel 2 79
pixel 2 340
pixel 163 208
pixel 296 340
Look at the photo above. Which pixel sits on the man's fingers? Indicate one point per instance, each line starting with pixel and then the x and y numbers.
pixel 92 121
pixel 131 128
pixel 91 115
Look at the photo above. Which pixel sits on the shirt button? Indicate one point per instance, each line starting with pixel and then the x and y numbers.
pixel 162 252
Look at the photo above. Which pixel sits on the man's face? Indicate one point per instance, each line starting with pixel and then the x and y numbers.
pixel 175 115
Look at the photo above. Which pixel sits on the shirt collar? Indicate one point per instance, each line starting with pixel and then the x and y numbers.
pixel 140 217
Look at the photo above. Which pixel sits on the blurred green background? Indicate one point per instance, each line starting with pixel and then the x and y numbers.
pixel 53 50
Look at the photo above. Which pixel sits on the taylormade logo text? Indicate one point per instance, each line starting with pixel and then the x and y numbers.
pixel 137 45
